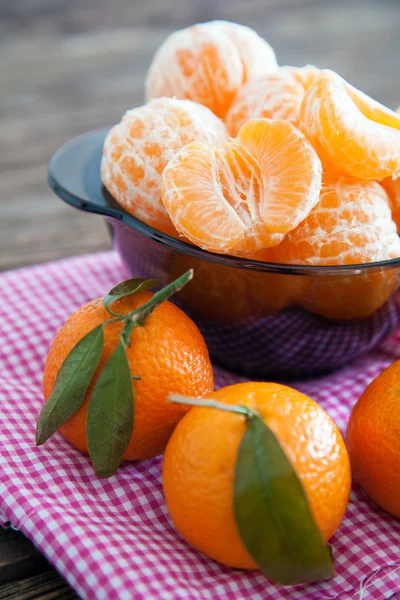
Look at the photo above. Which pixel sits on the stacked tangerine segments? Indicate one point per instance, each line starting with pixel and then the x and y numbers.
pixel 301 135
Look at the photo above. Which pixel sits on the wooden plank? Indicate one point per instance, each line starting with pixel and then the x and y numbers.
pixel 18 557
pixel 46 586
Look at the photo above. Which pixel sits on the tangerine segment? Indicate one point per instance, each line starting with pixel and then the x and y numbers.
pixel 392 187
pixel 245 196
pixel 208 63
pixel 373 110
pixel 351 224
pixel 276 95
pixel 291 172
pixel 138 148
pixel 349 130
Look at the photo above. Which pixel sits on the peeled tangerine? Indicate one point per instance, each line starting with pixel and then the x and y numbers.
pixel 392 187
pixel 231 296
pixel 351 132
pixel 138 148
pixel 275 95
pixel 244 196
pixel 208 63
pixel 351 224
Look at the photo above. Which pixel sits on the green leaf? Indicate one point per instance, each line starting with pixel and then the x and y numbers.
pixel 272 512
pixel 126 288
pixel 72 382
pixel 110 415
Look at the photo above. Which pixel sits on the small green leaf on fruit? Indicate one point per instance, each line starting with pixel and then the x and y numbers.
pixel 110 415
pixel 273 514
pixel 126 288
pixel 72 382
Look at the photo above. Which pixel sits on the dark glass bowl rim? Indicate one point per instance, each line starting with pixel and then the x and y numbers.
pixel 181 246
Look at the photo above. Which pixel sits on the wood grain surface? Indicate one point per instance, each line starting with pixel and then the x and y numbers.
pixel 67 66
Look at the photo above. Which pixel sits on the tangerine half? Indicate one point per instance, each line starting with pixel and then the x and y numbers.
pixel 244 196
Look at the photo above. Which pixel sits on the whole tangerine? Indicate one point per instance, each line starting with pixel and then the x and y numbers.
pixel 200 458
pixel 168 353
pixel 373 440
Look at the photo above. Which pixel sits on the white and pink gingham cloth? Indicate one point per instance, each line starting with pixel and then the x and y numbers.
pixel 113 539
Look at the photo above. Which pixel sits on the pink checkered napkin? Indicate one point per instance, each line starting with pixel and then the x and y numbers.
pixel 113 539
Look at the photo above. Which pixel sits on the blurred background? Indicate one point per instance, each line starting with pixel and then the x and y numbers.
pixel 67 66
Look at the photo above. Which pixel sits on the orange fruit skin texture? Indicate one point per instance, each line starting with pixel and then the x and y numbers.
pixel 168 353
pixel 208 62
pixel 199 464
pixel 373 440
pixel 392 187
pixel 138 148
pixel 351 132
pixel 276 95
pixel 244 196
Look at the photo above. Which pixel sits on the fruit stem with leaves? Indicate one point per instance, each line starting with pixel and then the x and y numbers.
pixel 111 405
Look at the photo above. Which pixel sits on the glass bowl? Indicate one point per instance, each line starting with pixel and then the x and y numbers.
pixel 262 319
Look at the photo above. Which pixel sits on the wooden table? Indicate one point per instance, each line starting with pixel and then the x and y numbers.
pixel 67 66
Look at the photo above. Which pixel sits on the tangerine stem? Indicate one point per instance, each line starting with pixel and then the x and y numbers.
pixel 140 314
pixel 120 318
pixel 126 333
pixel 235 408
